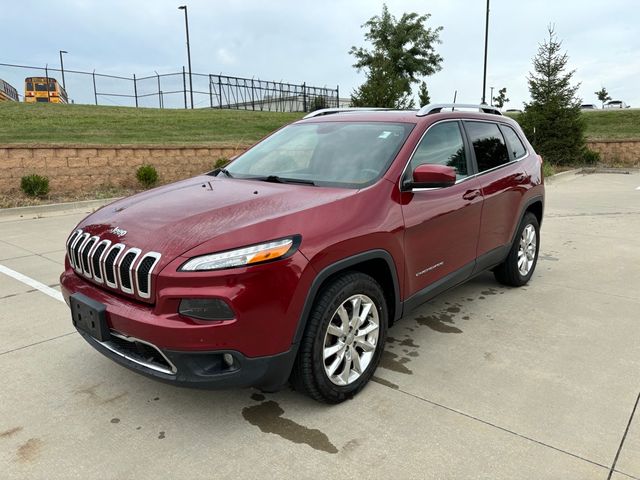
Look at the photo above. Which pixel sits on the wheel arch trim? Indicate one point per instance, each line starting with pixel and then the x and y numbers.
pixel 343 265
pixel 523 212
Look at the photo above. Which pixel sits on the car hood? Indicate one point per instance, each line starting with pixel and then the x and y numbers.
pixel 177 218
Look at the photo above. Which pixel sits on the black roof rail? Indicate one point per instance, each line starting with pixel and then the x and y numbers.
pixel 437 108
pixel 330 111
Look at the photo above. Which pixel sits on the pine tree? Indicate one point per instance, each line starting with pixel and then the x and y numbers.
pixel 423 95
pixel 402 50
pixel 552 121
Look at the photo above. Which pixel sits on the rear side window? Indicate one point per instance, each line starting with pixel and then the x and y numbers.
pixel 488 145
pixel 442 145
pixel 516 148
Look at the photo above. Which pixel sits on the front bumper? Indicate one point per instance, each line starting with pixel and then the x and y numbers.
pixel 266 300
pixel 205 370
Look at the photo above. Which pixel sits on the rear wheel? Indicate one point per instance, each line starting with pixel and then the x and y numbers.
pixel 344 339
pixel 519 265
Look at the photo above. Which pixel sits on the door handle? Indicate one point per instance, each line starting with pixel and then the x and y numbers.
pixel 471 194
pixel 519 177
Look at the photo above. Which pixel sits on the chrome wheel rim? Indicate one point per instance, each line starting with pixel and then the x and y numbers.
pixel 527 250
pixel 351 340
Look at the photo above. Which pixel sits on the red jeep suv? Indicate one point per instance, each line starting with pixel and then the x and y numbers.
pixel 292 262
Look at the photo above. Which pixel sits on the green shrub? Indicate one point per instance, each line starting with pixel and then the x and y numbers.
pixel 35 185
pixel 548 170
pixel 221 162
pixel 591 157
pixel 147 175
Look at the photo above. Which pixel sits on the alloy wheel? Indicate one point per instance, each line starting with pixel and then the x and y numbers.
pixel 351 340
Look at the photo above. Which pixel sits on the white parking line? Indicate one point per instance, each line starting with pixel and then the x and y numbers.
pixel 32 283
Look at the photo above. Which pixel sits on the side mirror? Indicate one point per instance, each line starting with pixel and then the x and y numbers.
pixel 432 176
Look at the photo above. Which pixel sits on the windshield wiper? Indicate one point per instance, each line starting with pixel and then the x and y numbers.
pixel 225 171
pixel 277 179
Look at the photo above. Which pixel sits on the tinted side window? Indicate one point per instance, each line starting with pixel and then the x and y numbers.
pixel 442 145
pixel 516 148
pixel 488 145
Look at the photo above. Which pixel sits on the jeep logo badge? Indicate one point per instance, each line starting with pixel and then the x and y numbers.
pixel 119 232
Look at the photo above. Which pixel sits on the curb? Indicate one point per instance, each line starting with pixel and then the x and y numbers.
pixel 618 170
pixel 37 211
pixel 563 176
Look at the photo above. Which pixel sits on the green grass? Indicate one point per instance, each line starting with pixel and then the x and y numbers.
pixel 86 124
pixel 609 124
pixel 548 170
pixel 613 124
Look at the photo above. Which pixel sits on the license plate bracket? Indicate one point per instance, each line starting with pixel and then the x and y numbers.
pixel 89 316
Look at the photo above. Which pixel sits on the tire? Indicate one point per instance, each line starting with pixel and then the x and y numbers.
pixel 511 272
pixel 330 333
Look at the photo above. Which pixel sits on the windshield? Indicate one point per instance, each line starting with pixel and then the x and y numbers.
pixel 329 153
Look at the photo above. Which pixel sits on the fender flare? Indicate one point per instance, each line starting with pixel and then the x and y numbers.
pixel 525 207
pixel 341 265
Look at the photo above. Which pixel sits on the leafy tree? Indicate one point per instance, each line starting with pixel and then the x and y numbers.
pixel 603 95
pixel 423 95
pixel 382 89
pixel 552 121
pixel 501 98
pixel 402 50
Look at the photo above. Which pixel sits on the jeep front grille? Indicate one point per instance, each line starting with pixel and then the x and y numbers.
pixel 114 265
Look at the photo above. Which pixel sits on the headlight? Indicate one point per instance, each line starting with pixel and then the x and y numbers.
pixel 264 252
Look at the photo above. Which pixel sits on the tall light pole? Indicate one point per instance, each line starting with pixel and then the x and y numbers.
pixel 186 23
pixel 486 43
pixel 62 68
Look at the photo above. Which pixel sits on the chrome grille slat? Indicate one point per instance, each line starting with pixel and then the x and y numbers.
pixel 114 265
pixel 143 272
pixel 77 248
pixel 72 238
pixel 124 269
pixel 84 256
pixel 96 260
pixel 110 262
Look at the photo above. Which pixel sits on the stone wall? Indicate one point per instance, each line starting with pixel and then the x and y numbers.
pixel 73 168
pixel 622 153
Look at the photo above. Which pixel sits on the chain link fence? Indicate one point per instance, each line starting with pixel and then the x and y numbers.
pixel 171 90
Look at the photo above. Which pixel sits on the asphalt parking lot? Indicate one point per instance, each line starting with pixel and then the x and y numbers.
pixel 483 382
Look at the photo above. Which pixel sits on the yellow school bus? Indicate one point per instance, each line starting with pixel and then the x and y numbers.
pixel 44 89
pixel 7 92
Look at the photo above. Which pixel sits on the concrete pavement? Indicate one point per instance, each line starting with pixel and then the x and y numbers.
pixel 483 382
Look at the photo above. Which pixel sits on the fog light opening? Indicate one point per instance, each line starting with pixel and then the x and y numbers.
pixel 228 359
pixel 211 309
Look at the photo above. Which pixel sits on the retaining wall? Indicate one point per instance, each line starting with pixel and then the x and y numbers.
pixel 624 153
pixel 73 168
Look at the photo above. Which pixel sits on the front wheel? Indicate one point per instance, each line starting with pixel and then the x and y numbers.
pixel 519 265
pixel 343 340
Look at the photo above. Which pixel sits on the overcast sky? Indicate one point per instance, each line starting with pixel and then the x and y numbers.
pixel 307 41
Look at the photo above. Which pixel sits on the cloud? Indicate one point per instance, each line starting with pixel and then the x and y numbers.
pixel 225 57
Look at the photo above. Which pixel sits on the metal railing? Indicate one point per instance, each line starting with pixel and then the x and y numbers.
pixel 170 90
